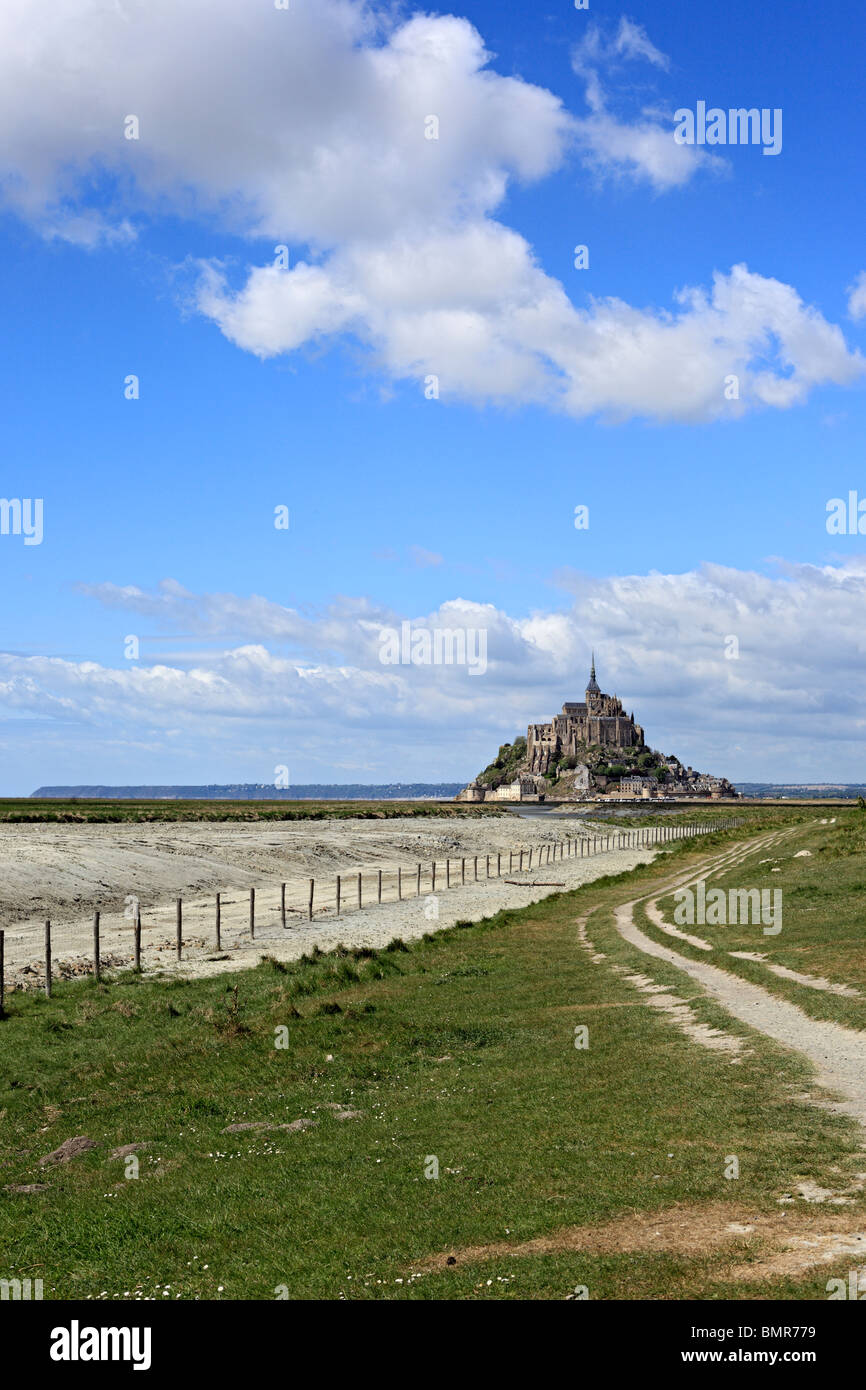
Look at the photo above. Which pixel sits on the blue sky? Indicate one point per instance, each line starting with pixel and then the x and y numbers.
pixel 259 647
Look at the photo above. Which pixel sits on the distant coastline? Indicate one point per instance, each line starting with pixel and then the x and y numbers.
pixel 803 791
pixel 386 791
pixel 258 791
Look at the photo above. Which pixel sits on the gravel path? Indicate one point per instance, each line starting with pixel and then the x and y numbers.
pixel 838 1054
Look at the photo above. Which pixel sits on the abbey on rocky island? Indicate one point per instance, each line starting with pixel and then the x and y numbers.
pixel 593 748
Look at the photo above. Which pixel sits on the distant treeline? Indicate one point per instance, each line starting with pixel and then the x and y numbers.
pixel 803 791
pixel 256 791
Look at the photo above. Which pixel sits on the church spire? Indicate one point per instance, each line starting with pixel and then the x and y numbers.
pixel 592 686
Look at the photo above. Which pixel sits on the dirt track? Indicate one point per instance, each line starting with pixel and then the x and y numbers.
pixel 837 1053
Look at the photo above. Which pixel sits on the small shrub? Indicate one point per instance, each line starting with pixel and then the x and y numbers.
pixel 230 1024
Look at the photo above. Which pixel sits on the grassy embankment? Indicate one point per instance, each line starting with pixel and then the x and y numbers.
pixel 462 1048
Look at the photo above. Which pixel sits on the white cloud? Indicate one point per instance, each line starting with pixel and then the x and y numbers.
pixel 595 51
pixel 792 705
pixel 473 308
pixel 632 41
pixel 641 147
pixel 307 127
pixel 857 297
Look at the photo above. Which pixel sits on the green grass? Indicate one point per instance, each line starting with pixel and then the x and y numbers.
pixel 460 1046
pixel 27 809
pixel 822 917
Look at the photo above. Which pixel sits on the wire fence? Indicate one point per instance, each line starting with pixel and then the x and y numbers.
pixel 216 926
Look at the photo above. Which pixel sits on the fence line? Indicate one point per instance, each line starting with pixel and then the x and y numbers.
pixel 317 899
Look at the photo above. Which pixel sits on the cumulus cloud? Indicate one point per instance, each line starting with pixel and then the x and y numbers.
pixel 473 308
pixel 790 703
pixel 305 125
pixel 308 127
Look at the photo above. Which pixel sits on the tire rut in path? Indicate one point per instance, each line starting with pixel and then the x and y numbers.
pixel 838 1054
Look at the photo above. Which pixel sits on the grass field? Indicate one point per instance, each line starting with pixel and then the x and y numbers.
pixel 610 1158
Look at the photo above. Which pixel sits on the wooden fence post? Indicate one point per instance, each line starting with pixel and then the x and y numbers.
pixel 379 898
pixel 136 937
pixel 48 960
pixel 96 945
pixel 447 872
pixel 253 913
pixel 338 895
pixel 476 868
pixel 462 870
pixel 283 904
pixel 2 972
pixel 433 877
pixel 179 928
pixel 310 903
pixel 498 865
pixel 418 882
pixel 218 923
pixel 399 884
pixel 359 891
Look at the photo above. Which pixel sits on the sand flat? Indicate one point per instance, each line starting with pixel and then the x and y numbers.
pixel 63 872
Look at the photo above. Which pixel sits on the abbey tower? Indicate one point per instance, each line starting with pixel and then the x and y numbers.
pixel 598 720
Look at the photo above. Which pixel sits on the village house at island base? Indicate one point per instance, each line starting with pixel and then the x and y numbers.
pixel 593 749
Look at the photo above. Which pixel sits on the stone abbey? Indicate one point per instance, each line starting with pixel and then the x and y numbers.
pixel 592 750
pixel 598 720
